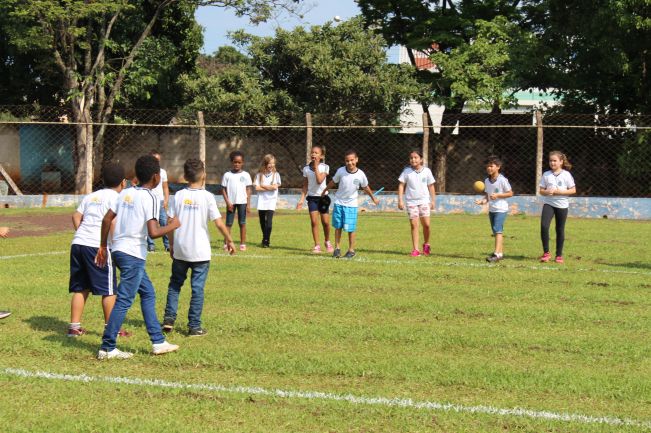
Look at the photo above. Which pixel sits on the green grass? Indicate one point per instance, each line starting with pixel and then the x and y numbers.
pixel 447 328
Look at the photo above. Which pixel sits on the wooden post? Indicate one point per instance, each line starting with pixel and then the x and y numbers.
pixel 202 137
pixel 10 181
pixel 425 140
pixel 89 161
pixel 308 136
pixel 539 150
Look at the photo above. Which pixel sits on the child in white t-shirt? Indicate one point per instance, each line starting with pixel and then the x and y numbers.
pixel 162 191
pixel 350 180
pixel 496 190
pixel 555 187
pixel 195 208
pixel 267 182
pixel 417 185
pixel 314 182
pixel 85 277
pixel 236 190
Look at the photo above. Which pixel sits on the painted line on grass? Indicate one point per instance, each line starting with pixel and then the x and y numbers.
pixel 384 261
pixel 348 398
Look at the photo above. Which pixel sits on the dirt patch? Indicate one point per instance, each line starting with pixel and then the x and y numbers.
pixel 37 225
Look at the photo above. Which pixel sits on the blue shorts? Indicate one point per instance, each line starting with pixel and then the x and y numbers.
pixel 313 204
pixel 241 214
pixel 344 217
pixel 497 221
pixel 85 275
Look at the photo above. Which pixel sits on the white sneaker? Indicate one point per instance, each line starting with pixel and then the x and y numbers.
pixel 164 347
pixel 113 354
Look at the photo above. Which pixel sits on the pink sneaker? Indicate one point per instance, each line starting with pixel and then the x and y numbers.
pixel 426 249
pixel 242 247
pixel 559 259
pixel 545 257
pixel 415 253
pixel 316 249
pixel 329 247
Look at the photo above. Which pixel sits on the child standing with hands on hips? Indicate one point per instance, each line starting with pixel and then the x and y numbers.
pixel 417 186
pixel 314 183
pixel 267 182
pixel 555 187
pixel 496 189
pixel 344 216
pixel 236 189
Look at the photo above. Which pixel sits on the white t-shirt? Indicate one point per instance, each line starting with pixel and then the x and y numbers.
pixel 158 191
pixel 267 199
pixel 417 185
pixel 134 208
pixel 562 182
pixel 195 209
pixel 315 189
pixel 501 185
pixel 235 184
pixel 93 208
pixel 348 185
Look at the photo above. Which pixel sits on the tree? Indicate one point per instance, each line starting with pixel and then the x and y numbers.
pixel 94 45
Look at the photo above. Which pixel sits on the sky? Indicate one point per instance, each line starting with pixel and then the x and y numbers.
pixel 217 22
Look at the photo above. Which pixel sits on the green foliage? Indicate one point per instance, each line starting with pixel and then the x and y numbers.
pixel 635 159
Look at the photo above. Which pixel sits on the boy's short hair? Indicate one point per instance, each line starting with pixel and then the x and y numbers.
pixel 234 154
pixel 192 169
pixel 146 167
pixel 351 152
pixel 112 175
pixel 493 159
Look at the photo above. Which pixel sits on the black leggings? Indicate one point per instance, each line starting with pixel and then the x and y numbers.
pixel 548 213
pixel 266 220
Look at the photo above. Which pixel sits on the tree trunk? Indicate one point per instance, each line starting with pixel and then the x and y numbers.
pixel 83 146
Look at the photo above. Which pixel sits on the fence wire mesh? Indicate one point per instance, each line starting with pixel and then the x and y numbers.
pixel 40 148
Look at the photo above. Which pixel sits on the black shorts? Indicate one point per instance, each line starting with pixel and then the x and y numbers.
pixel 85 275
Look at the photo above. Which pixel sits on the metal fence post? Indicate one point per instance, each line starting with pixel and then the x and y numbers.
pixel 308 136
pixel 539 150
pixel 425 140
pixel 202 137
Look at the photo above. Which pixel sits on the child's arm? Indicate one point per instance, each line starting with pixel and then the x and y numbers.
pixel 432 196
pixel 328 186
pixel 219 223
pixel 248 199
pixel 156 231
pixel 320 176
pixel 401 192
pixel 229 205
pixel 166 194
pixel 77 218
pixel 107 221
pixel 570 191
pixel 299 205
pixel 367 189
pixel 497 196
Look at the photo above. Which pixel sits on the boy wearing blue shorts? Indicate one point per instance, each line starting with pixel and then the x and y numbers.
pixel 496 189
pixel 236 190
pixel 85 276
pixel 350 180
pixel 136 213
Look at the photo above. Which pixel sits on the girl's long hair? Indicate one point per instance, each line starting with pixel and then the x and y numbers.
pixel 263 165
pixel 565 162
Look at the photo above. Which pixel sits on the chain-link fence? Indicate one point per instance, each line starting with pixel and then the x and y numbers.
pixel 42 150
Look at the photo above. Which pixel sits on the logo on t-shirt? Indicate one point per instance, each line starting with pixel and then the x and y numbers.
pixel 356 182
pixel 242 179
pixel 127 201
pixel 424 180
pixel 189 204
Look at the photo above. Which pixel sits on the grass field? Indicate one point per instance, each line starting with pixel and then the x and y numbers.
pixel 554 340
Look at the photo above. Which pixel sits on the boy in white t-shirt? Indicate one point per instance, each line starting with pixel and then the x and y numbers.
pixel 135 213
pixel 496 189
pixel 236 189
pixel 344 216
pixel 162 192
pixel 195 208
pixel 85 276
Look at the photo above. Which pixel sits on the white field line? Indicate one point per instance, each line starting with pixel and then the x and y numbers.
pixel 383 261
pixel 348 398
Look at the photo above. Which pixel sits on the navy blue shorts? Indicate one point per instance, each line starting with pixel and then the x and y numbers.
pixel 85 275
pixel 313 204
pixel 241 214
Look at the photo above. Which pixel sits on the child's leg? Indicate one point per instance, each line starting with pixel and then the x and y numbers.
pixel 262 218
pixel 561 218
pixel 325 222
pixel 242 234
pixel 230 218
pixel 426 230
pixel 414 233
pixel 148 306
pixel 269 225
pixel 198 282
pixel 241 219
pixel 179 274
pixel 351 241
pixel 314 221
pixel 108 302
pixel 545 222
pixel 499 243
pixel 77 304
pixel 338 238
pixel 162 220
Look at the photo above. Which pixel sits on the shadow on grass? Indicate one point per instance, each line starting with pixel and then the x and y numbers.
pixel 58 329
pixel 634 265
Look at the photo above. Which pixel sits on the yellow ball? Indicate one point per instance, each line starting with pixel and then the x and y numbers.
pixel 478 186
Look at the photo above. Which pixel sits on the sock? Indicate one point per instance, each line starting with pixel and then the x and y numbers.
pixel 500 255
pixel 75 325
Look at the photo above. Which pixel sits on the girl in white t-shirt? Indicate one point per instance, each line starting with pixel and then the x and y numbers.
pixel 417 188
pixel 314 183
pixel 555 187
pixel 267 182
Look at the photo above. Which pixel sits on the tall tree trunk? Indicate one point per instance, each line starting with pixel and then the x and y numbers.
pixel 83 145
